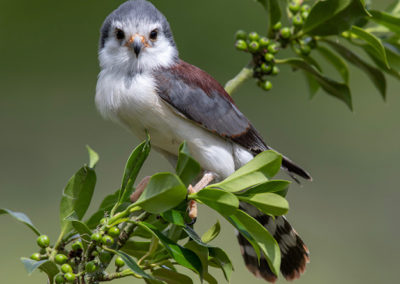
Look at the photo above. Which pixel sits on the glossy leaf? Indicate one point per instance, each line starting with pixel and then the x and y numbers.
pixel 187 168
pixel 264 166
pixel 269 203
pixel 394 8
pixel 221 260
pixel 174 217
pixel 136 248
pixel 387 20
pixel 393 59
pixel 201 252
pixel 183 256
pixel 313 85
pixel 163 192
pixel 194 236
pixel 333 17
pixel 249 226
pixel 105 206
pixel 274 11
pixel 47 266
pixel 171 277
pixel 269 186
pixel 337 62
pixel 93 157
pixel 221 201
pixel 333 88
pixel 372 41
pixel 81 228
pixel 77 196
pixel 131 263
pixel 21 217
pixel 211 233
pixel 373 73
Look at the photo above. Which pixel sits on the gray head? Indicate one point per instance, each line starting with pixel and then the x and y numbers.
pixel 136 37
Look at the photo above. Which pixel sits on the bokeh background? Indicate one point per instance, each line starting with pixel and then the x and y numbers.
pixel 48 66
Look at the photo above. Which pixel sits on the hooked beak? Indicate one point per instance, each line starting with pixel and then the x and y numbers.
pixel 136 42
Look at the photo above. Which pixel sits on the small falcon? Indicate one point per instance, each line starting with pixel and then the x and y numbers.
pixel 144 86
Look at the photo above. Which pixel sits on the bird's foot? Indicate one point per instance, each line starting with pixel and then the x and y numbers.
pixel 192 207
pixel 139 189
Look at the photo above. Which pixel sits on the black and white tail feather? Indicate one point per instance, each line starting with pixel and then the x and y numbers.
pixel 294 253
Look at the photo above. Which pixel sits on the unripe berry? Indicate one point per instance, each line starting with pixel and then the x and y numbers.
pixel 43 241
pixel 240 34
pixel 119 262
pixel 60 259
pixel 275 71
pixel 103 221
pixel 285 33
pixel 264 42
pixel 114 232
pixel 304 15
pixel 96 237
pixel 254 46
pixel 60 279
pixel 241 45
pixel 272 48
pixel 305 8
pixel 253 36
pixel 269 57
pixel 105 256
pixel 297 21
pixel 294 7
pixel 107 240
pixel 35 256
pixel 91 267
pixel 267 85
pixel 77 246
pixel 266 68
pixel 305 49
pixel 70 277
pixel 277 26
pixel 95 253
pixel 65 268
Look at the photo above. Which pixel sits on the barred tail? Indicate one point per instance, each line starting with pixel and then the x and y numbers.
pixel 294 252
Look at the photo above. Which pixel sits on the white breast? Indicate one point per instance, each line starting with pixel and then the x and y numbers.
pixel 135 104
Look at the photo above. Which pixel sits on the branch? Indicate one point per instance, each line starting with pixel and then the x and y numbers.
pixel 245 74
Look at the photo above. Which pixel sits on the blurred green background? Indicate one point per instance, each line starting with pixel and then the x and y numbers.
pixel 48 66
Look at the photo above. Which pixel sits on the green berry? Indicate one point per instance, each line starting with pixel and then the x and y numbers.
pixel 240 34
pixel 266 68
pixel 277 26
pixel 70 277
pixel 297 21
pixel 43 241
pixel 91 267
pixel 103 221
pixel 305 8
pixel 275 71
pixel 36 256
pixel 264 42
pixel 60 279
pixel 119 262
pixel 267 85
pixel 65 268
pixel 269 57
pixel 61 259
pixel 95 253
pixel 113 232
pixel 96 237
pixel 254 46
pixel 294 7
pixel 77 246
pixel 107 240
pixel 105 256
pixel 285 33
pixel 272 48
pixel 253 36
pixel 305 49
pixel 241 45
pixel 304 15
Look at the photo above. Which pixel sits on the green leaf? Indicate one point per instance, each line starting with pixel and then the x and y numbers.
pixel 274 12
pixel 93 157
pixel 265 165
pixel 171 277
pixel 269 186
pixel 269 203
pixel 313 85
pixel 47 266
pixel 210 279
pixel 76 197
pixel 132 168
pixel 106 205
pixel 390 21
pixel 183 256
pixel 174 217
pixel 333 17
pixel 337 62
pixel 373 73
pixel 187 168
pixel 223 202
pixel 201 252
pixel 80 227
pixel 333 88
pixel 136 248
pixel 131 263
pixel 372 41
pixel 21 217
pixel 249 226
pixel 212 233
pixel 394 8
pixel 163 192
pixel 393 59
pixel 221 259
pixel 194 236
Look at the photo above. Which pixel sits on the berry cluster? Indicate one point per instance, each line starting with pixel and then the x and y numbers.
pixel 263 49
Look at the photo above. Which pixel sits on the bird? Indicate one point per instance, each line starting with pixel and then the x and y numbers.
pixel 144 86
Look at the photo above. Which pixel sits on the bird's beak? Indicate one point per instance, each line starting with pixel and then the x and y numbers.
pixel 137 42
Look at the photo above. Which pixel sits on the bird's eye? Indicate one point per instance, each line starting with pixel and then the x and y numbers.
pixel 153 34
pixel 119 34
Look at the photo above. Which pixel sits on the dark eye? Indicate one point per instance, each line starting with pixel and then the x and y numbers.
pixel 153 34
pixel 119 34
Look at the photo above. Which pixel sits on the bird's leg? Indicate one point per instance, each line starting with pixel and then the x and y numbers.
pixel 139 189
pixel 204 181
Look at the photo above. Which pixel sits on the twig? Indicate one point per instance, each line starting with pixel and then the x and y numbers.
pixel 245 74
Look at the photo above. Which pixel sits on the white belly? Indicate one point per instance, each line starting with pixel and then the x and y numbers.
pixel 136 105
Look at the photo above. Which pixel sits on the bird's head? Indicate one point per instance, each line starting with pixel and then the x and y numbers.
pixel 135 38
